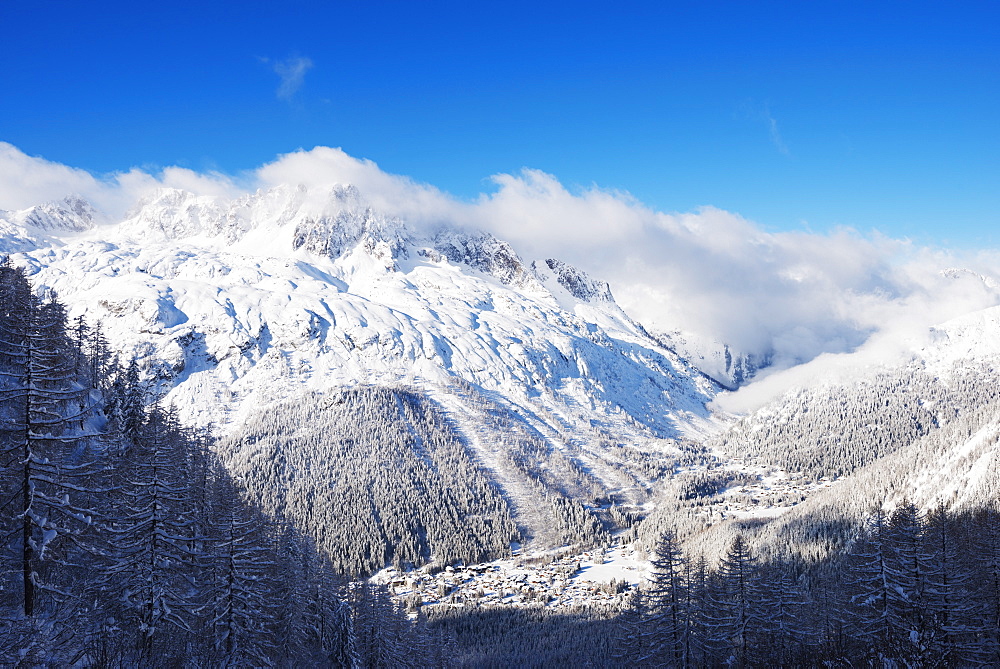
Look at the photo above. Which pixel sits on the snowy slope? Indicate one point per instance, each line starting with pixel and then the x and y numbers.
pixel 973 336
pixel 235 305
pixel 957 466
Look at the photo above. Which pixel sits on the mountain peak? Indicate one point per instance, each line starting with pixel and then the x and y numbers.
pixel 173 213
pixel 71 214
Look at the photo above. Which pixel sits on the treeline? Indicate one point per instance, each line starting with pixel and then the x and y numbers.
pixel 912 589
pixel 123 542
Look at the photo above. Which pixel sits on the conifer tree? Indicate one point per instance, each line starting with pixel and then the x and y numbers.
pixel 780 632
pixel 730 622
pixel 43 438
pixel 630 644
pixel 696 603
pixel 665 613
pixel 153 557
pixel 908 570
pixel 869 583
pixel 240 583
pixel 950 609
pixel 983 539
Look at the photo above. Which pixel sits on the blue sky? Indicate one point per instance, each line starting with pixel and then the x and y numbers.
pixel 871 115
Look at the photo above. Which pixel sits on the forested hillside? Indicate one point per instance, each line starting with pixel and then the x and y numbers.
pixel 374 476
pixel 957 466
pixel 832 429
pixel 379 476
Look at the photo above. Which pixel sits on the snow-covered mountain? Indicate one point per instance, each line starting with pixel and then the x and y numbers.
pixel 234 303
pixel 922 427
pixel 404 395
pixel 44 224
pixel 235 308
pixel 241 307
pixel 851 415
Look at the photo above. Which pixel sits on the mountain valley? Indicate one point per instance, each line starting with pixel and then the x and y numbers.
pixel 423 404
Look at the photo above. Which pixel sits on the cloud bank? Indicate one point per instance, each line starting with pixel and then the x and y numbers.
pixel 796 296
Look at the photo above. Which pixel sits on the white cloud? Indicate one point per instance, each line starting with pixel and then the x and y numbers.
pixel 800 296
pixel 29 180
pixel 397 195
pixel 293 74
pixel 26 181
